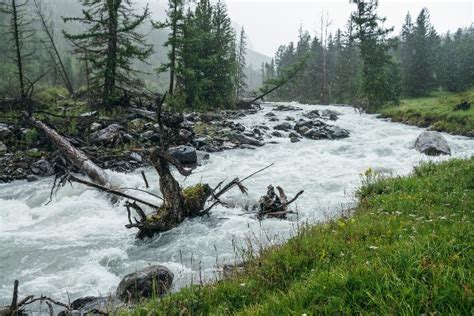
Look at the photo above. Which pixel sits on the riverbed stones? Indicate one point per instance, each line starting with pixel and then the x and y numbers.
pixel 244 140
pixel 149 282
pixel 3 148
pixel 184 154
pixel 285 126
pixel 432 144
pixel 109 136
pixel 42 168
pixel 5 132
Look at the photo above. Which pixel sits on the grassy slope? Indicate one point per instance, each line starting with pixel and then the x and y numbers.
pixel 407 250
pixel 436 110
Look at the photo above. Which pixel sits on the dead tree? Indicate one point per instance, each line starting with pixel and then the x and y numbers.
pixel 56 57
pixel 17 307
pixel 275 206
pixel 77 157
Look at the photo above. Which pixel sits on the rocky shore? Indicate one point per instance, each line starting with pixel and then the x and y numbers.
pixel 122 143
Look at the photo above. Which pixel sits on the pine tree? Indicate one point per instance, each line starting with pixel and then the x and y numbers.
pixel 110 45
pixel 371 36
pixel 175 23
pixel 241 85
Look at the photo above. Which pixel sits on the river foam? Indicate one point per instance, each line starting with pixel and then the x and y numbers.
pixel 78 245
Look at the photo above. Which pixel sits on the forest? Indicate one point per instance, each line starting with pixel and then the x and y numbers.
pixel 152 162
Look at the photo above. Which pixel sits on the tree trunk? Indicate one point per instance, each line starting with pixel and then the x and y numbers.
pixel 19 61
pixel 77 157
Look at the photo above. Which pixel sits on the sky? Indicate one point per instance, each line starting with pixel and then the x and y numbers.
pixel 270 23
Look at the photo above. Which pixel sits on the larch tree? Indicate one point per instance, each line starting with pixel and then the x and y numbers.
pixel 110 45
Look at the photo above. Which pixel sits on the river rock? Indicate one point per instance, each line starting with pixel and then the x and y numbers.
pixel 270 114
pixel 335 132
pixel 136 157
pixel 332 115
pixel 3 148
pixel 42 168
pixel 286 108
pixel 5 132
pixel 283 127
pixel 276 134
pixel 314 114
pixel 185 135
pixel 184 154
pixel 244 140
pixel 137 125
pixel 432 144
pixel 111 135
pixel 149 282
pixel 95 127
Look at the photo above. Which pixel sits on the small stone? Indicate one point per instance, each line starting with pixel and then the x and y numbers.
pixel 95 127
pixel 136 157
pixel 31 178
pixel 3 148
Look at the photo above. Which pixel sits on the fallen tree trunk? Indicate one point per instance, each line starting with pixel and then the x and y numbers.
pixel 77 157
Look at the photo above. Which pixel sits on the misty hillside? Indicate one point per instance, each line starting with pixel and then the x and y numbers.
pixel 66 8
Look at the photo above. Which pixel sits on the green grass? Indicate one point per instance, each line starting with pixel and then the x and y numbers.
pixel 408 249
pixel 436 111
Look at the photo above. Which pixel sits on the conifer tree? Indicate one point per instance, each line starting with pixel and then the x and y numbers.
pixel 110 45
pixel 371 36
pixel 19 37
pixel 175 23
pixel 241 85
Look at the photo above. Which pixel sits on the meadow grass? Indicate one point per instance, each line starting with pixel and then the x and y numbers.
pixel 436 111
pixel 407 249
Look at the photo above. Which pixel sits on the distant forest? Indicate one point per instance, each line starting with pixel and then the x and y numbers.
pixel 58 39
pixel 115 49
pixel 363 65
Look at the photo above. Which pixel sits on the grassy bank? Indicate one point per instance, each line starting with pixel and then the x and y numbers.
pixel 408 249
pixel 436 111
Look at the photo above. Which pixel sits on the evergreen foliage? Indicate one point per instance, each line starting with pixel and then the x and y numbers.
pixel 110 45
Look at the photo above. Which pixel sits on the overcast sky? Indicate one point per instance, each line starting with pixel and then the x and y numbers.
pixel 270 23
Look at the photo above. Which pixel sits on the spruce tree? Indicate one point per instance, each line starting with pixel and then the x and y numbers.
pixel 175 23
pixel 110 45
pixel 424 41
pixel 241 85
pixel 371 36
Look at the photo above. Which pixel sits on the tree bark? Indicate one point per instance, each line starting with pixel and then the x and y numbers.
pixel 77 157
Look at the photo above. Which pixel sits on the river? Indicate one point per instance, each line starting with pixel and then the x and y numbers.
pixel 77 245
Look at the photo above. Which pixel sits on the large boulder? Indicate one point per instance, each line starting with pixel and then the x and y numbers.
pixel 244 140
pixel 432 144
pixel 184 154
pixel 149 282
pixel 111 135
pixel 285 126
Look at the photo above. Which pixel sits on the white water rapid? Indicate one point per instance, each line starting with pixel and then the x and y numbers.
pixel 77 244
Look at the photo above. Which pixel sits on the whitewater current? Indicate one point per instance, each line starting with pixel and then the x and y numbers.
pixel 77 244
